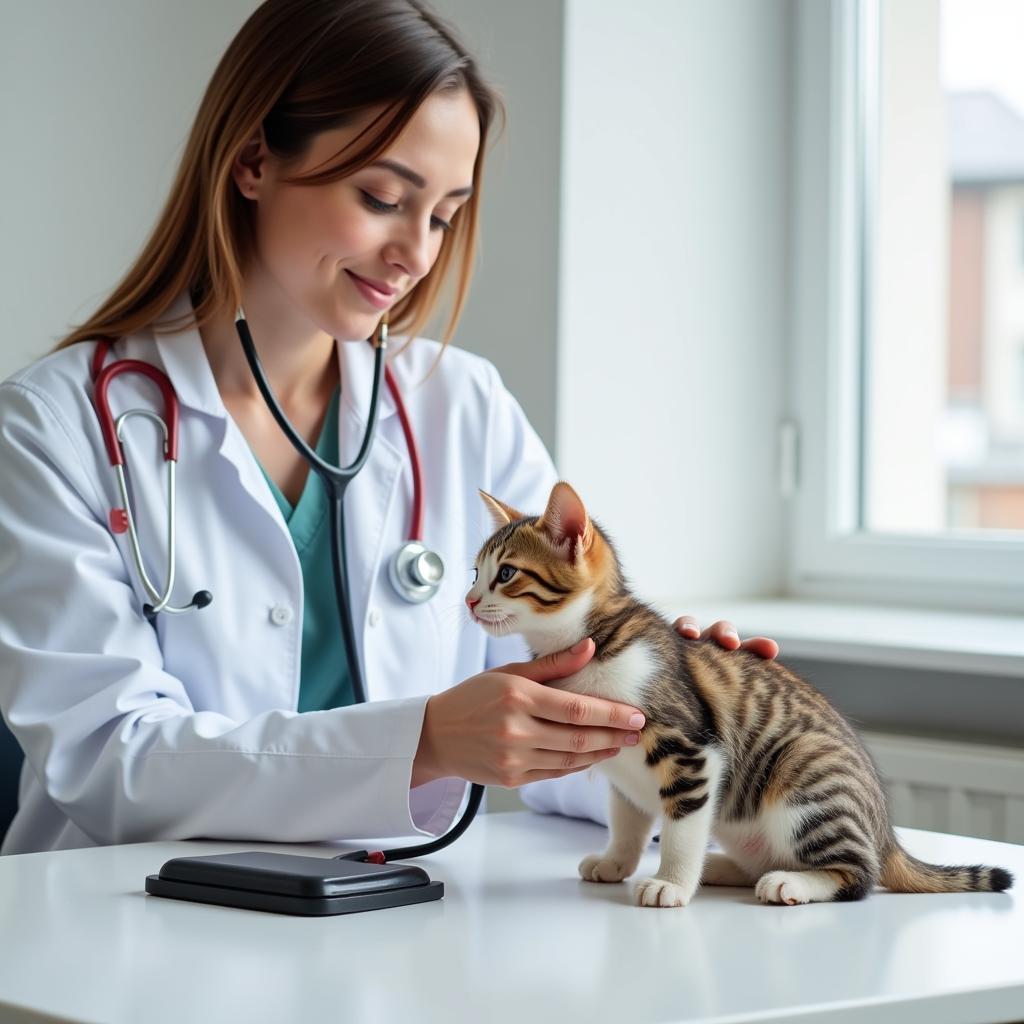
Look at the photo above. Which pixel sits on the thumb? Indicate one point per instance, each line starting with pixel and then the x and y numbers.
pixel 557 665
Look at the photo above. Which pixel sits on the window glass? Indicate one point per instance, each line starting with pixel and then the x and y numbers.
pixel 943 404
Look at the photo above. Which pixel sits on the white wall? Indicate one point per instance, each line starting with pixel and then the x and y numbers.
pixel 632 281
pixel 674 278
pixel 96 100
pixel 512 315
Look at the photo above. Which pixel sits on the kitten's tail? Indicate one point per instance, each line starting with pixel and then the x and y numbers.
pixel 903 873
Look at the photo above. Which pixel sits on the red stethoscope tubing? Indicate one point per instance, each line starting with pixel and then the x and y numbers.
pixel 416 526
pixel 102 376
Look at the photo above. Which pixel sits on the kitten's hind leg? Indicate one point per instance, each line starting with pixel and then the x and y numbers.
pixel 721 870
pixel 837 855
pixel 630 833
pixel 795 887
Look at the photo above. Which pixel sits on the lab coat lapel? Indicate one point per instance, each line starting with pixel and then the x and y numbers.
pixel 185 363
pixel 355 364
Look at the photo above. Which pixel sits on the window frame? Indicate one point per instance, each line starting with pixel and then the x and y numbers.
pixel 835 144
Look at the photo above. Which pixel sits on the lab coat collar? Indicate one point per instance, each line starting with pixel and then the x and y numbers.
pixel 355 364
pixel 185 363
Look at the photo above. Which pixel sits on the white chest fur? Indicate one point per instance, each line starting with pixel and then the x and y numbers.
pixel 622 678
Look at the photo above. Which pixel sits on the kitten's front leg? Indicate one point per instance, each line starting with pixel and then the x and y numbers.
pixel 689 812
pixel 630 832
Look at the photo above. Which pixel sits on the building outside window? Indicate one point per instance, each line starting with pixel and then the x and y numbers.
pixel 984 436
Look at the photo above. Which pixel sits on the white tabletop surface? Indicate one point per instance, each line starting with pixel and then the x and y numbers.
pixel 518 937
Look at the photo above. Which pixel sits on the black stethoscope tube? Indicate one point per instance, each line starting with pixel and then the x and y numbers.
pixel 336 480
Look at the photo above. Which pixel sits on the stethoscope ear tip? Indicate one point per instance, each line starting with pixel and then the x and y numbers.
pixel 200 599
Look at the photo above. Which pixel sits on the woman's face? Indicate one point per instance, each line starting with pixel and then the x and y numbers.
pixel 322 248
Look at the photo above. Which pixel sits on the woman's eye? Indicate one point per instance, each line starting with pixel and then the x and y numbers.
pixel 476 575
pixel 505 573
pixel 380 206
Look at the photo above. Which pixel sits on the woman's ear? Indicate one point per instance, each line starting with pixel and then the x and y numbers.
pixel 249 168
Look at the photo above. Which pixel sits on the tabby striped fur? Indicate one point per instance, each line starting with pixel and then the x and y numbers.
pixel 734 745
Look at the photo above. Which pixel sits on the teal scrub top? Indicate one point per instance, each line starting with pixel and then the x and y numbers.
pixel 324 676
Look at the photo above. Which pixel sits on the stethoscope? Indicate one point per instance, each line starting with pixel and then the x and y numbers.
pixel 415 571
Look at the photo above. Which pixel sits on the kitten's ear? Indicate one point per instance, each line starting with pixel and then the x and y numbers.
pixel 566 523
pixel 501 514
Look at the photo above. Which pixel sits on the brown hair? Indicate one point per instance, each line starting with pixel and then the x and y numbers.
pixel 298 68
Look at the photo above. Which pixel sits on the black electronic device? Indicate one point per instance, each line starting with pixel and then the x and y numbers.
pixel 286 883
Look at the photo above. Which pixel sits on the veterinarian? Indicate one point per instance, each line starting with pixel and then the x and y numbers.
pixel 199 638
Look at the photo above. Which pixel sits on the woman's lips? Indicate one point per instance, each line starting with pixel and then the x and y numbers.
pixel 376 298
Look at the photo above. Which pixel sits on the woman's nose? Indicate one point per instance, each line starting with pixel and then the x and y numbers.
pixel 472 602
pixel 413 253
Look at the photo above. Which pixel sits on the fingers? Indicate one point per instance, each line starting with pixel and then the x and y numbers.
pixel 686 625
pixel 761 646
pixel 554 666
pixel 724 634
pixel 563 739
pixel 566 761
pixel 512 771
pixel 583 763
pixel 572 708
pixel 580 709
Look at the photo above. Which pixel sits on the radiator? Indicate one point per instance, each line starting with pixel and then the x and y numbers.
pixel 964 788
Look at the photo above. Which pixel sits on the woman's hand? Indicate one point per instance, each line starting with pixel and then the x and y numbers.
pixel 724 634
pixel 506 728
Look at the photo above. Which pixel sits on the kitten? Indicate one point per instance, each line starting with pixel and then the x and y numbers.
pixel 733 744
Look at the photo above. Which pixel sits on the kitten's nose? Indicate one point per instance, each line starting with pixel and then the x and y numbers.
pixel 472 602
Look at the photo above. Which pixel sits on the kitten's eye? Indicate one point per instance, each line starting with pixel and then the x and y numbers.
pixel 506 572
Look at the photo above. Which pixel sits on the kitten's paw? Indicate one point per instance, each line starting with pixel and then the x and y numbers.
pixel 599 868
pixel 656 892
pixel 789 887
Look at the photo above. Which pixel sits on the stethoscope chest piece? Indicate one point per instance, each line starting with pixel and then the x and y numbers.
pixel 416 572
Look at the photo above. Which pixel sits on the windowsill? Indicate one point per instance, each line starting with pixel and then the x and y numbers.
pixel 924 638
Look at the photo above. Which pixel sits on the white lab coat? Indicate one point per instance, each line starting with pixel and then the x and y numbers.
pixel 189 728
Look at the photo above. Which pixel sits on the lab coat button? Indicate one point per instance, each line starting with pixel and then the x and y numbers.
pixel 374 616
pixel 280 615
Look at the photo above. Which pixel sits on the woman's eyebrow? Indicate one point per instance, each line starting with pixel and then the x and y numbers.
pixel 410 175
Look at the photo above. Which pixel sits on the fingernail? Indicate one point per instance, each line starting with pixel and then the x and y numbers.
pixel 580 647
pixel 691 628
pixel 632 739
pixel 731 634
pixel 637 721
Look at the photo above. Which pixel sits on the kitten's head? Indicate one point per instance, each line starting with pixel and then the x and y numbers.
pixel 541 575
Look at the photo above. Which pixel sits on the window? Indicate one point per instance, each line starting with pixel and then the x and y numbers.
pixel 908 302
